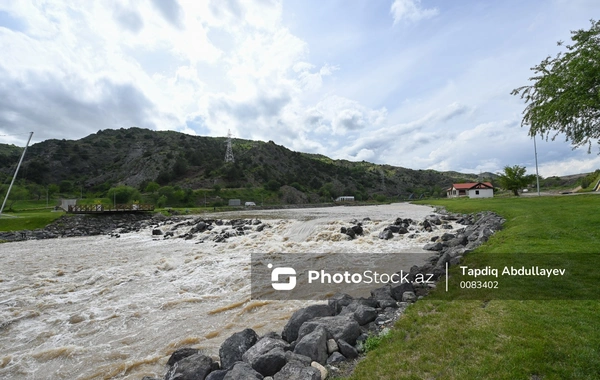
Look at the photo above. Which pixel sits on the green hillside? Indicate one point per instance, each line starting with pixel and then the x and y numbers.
pixel 136 157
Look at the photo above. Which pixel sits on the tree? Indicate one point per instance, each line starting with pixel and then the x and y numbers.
pixel 180 167
pixel 565 95
pixel 514 178
pixel 272 185
pixel 53 189
pixel 17 193
pixel 123 194
pixel 152 187
pixel 36 191
pixel 66 186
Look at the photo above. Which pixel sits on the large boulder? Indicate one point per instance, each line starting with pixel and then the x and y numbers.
pixel 398 290
pixel 361 313
pixel 270 362
pixel 266 356
pixel 194 367
pixel 335 357
pixel 357 229
pixel 433 246
pixel 386 234
pixel 338 327
pixel 459 240
pixel 314 345
pixel 384 298
pixel 234 347
pixel 290 331
pixel 292 356
pixel 200 227
pixel 338 301
pixel 181 354
pixel 242 371
pixel 296 371
pixel 217 375
pixel 347 349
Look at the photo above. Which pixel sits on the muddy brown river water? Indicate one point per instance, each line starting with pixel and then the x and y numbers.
pixel 102 308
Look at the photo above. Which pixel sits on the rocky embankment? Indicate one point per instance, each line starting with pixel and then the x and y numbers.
pixel 86 225
pixel 162 227
pixel 316 339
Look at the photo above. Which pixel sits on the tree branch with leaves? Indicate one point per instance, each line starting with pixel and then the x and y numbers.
pixel 565 95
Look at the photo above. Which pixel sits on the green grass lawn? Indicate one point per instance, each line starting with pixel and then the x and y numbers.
pixel 28 215
pixel 27 220
pixel 508 334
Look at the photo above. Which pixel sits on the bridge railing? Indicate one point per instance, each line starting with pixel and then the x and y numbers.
pixel 90 209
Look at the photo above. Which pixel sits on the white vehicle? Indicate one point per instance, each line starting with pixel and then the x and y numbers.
pixel 248 204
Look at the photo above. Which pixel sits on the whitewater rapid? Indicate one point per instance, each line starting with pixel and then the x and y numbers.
pixel 103 307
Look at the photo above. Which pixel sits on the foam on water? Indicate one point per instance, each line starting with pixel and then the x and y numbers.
pixel 100 307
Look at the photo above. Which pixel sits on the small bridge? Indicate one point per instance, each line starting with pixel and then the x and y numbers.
pixel 102 209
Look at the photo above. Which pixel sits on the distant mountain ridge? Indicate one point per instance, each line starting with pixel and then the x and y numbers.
pixel 138 156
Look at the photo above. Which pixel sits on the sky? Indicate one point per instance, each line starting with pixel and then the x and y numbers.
pixel 421 84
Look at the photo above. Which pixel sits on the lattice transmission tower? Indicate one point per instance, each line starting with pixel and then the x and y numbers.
pixel 229 151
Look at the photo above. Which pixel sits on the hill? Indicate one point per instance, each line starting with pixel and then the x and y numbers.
pixel 136 157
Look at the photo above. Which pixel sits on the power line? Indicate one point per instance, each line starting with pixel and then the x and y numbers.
pixel 15 134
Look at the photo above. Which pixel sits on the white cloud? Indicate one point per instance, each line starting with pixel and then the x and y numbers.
pixel 339 115
pixel 365 155
pixel 411 10
pixel 568 167
pixel 430 96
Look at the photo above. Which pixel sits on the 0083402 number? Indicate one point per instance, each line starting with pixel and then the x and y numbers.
pixel 479 284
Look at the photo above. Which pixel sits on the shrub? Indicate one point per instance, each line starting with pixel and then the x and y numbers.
pixel 123 194
pixel 272 185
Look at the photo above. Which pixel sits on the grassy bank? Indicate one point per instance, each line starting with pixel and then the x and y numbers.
pixel 28 215
pixel 27 220
pixel 499 336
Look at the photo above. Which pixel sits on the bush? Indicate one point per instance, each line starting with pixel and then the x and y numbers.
pixel 272 185
pixel 375 341
pixel 123 194
pixel 380 198
pixel 162 201
pixel 152 187
pixel 298 186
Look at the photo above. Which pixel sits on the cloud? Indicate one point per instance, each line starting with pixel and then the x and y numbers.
pixel 365 155
pixel 339 115
pixel 568 167
pixel 411 10
pixel 128 19
pixel 171 11
pixel 312 80
pixel 42 99
pixel 337 81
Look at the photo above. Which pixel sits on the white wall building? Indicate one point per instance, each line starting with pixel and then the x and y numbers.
pixel 471 190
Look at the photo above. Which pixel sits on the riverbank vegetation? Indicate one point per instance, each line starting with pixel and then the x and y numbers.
pixel 518 338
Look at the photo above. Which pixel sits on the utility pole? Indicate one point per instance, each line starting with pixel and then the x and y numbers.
pixel 16 171
pixel 537 174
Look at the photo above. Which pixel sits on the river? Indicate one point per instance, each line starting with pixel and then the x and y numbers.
pixel 102 308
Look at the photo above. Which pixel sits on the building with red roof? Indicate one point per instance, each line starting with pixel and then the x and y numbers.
pixel 471 190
